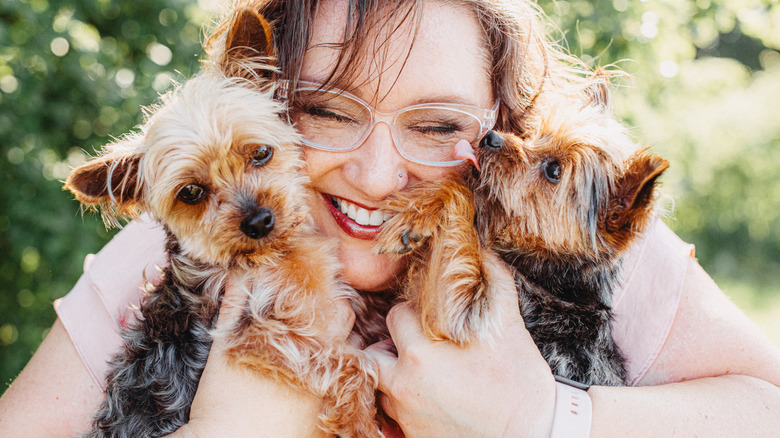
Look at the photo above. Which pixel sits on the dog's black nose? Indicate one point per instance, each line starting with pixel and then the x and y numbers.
pixel 258 224
pixel 492 140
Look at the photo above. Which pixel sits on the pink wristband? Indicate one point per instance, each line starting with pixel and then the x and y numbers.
pixel 573 410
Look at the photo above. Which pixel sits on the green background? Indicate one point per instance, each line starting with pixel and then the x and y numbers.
pixel 704 92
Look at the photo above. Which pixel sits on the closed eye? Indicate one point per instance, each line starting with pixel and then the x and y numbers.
pixel 325 113
pixel 434 129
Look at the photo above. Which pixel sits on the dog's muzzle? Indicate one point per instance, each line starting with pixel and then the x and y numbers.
pixel 258 224
pixel 492 140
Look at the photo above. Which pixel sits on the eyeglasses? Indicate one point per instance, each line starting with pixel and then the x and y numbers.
pixel 334 120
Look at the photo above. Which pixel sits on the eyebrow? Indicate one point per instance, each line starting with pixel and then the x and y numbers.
pixel 445 98
pixel 430 99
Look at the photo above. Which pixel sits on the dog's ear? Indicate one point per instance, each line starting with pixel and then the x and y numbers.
pixel 249 35
pixel 249 46
pixel 597 91
pixel 110 181
pixel 631 204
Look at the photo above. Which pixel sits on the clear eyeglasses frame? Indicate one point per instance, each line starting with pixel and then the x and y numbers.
pixel 334 120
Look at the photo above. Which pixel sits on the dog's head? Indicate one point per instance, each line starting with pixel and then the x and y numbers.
pixel 574 188
pixel 215 162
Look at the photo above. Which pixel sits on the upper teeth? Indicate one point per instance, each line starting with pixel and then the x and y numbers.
pixel 360 214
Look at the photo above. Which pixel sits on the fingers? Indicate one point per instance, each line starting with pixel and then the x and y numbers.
pixel 339 320
pixel 405 331
pixel 501 279
pixel 403 323
pixel 383 353
pixel 233 301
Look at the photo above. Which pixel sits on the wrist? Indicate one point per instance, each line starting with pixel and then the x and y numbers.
pixel 533 415
pixel 573 410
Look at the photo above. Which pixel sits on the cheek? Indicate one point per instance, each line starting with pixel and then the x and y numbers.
pixel 319 163
pixel 418 172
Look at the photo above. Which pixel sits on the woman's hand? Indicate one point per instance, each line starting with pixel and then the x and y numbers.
pixel 485 389
pixel 233 402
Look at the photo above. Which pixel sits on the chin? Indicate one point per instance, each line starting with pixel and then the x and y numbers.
pixel 370 272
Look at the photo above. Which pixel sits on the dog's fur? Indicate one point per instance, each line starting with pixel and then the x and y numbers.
pixel 221 169
pixel 561 206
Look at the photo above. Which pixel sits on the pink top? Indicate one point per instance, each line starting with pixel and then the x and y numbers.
pixel 104 296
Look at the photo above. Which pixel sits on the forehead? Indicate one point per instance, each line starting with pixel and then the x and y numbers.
pixel 441 57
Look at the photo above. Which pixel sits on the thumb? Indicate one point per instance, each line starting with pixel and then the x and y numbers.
pixel 386 357
pixel 233 301
pixel 502 280
pixel 383 353
pixel 339 320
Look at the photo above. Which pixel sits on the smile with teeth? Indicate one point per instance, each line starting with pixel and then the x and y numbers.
pixel 360 215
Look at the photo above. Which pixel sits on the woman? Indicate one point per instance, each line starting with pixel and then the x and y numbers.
pixel 699 366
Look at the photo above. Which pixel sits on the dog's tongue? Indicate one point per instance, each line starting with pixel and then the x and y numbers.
pixel 464 151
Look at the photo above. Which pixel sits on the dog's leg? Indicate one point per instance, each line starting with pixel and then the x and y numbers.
pixel 151 384
pixel 283 333
pixel 341 376
pixel 416 217
pixel 447 283
pixel 350 409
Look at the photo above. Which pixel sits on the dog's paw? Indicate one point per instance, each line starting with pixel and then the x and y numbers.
pixel 400 235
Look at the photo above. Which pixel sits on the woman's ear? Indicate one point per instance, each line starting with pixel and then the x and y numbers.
pixel 110 181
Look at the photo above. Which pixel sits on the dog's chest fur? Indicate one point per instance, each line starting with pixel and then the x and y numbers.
pixel 566 306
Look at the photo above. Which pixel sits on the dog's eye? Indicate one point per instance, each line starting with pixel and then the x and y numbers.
pixel 262 155
pixel 553 171
pixel 192 194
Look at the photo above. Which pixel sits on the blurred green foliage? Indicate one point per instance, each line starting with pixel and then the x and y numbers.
pixel 706 79
pixel 72 74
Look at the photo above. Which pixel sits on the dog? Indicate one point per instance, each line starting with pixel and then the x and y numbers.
pixel 561 206
pixel 218 165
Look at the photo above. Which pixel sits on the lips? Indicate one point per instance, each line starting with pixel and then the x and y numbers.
pixel 355 220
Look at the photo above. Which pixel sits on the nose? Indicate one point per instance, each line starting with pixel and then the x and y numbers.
pixel 258 224
pixel 378 169
pixel 492 140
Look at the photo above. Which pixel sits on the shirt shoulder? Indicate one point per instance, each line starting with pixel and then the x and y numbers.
pixel 645 305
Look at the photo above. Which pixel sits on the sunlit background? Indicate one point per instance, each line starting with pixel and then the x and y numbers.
pixel 704 94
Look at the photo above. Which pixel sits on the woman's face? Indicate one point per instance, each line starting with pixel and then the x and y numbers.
pixel 447 63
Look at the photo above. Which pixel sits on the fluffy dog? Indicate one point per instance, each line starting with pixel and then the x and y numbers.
pixel 217 164
pixel 561 206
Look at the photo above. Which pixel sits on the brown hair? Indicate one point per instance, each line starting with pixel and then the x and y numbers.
pixel 523 61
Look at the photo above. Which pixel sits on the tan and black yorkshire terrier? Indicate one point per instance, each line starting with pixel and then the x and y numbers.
pixel 220 168
pixel 560 206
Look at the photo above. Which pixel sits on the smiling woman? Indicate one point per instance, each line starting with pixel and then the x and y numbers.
pixel 429 71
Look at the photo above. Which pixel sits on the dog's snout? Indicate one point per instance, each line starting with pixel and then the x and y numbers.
pixel 492 140
pixel 258 224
